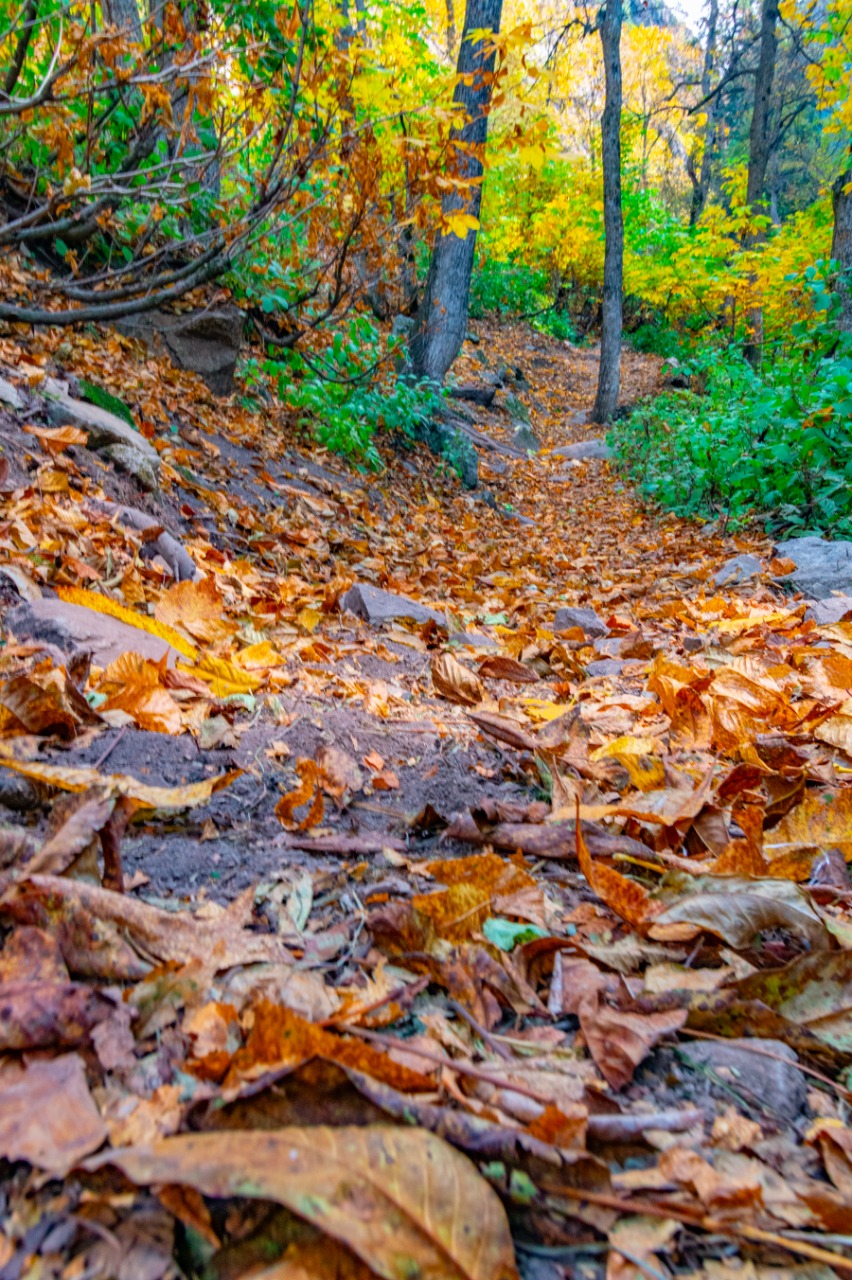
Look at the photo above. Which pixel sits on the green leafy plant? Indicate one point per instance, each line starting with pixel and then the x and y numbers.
pixel 775 445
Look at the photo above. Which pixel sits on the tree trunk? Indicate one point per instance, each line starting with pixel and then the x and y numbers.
pixel 442 316
pixel 701 179
pixel 841 244
pixel 609 373
pixel 124 14
pixel 758 153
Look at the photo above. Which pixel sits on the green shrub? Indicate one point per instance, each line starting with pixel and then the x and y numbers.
pixel 350 391
pixel 776 445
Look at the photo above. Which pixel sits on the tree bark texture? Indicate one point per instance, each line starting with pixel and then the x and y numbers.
pixel 701 178
pixel 125 15
pixel 609 372
pixel 759 150
pixel 442 316
pixel 841 243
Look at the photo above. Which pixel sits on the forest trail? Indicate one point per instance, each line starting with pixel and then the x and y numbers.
pixel 360 898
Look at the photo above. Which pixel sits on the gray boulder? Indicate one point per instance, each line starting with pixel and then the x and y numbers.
pixel 133 463
pixel 738 569
pixel 205 342
pixel 524 438
pixel 584 450
pixel 377 606
pixel 591 622
pixel 822 567
pixel 102 427
pixel 71 627
pixel 826 612
pixel 744 1066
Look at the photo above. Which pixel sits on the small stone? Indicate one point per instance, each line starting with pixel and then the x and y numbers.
pixel 17 793
pixel 737 570
pixel 10 395
pixel 822 567
pixel 604 667
pixel 101 426
pixel 472 337
pixel 584 450
pixel 693 644
pixel 590 622
pixel 609 647
pixel 526 440
pixel 135 464
pixel 377 606
pixel 777 1085
pixel 826 612
pixel 71 627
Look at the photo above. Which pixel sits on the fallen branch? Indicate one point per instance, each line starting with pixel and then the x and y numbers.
pixel 176 556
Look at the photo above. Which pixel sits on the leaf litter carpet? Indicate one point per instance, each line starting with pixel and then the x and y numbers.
pixel 489 944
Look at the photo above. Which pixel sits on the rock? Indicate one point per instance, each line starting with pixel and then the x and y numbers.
pixel 376 606
pixel 402 326
pixel 610 647
pixel 673 373
pixel 206 342
pixel 135 464
pixel 604 667
pixel 584 450
pixel 826 612
pixel 738 569
pixel 71 627
pixel 516 409
pixel 101 426
pixel 693 644
pixel 17 793
pixel 10 395
pixel 444 437
pixel 822 567
pixel 524 438
pixel 476 394
pixel 472 337
pixel 591 623
pixel 777 1085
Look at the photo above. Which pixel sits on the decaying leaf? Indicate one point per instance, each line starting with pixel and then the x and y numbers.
pixel 402 1200
pixel 456 682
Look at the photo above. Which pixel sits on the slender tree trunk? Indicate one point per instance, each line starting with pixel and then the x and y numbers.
pixel 609 373
pixel 701 179
pixel 442 316
pixel 124 14
pixel 841 244
pixel 758 153
pixel 451 28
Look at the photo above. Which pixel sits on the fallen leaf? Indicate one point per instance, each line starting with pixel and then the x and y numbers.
pixel 399 1198
pixel 47 1115
pixel 456 682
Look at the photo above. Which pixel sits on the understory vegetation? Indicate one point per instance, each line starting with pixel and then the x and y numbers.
pixel 737 443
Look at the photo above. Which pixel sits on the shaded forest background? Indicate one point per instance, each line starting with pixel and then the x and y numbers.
pixel 359 178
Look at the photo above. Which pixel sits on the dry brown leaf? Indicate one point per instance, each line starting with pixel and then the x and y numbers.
pixel 456 682
pixel 398 1198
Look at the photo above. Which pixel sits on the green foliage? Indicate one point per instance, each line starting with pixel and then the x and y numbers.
pixel 350 391
pixel 776 444
pixel 507 288
pixel 106 400
pixel 657 339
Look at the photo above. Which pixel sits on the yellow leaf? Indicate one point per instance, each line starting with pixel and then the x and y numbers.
pixel 458 224
pixel 309 619
pixel 258 657
pixel 119 784
pixel 223 676
pixel 101 604
pixel 540 711
pixel 195 606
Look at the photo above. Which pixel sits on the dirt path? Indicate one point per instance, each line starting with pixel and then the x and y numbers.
pixel 385 913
